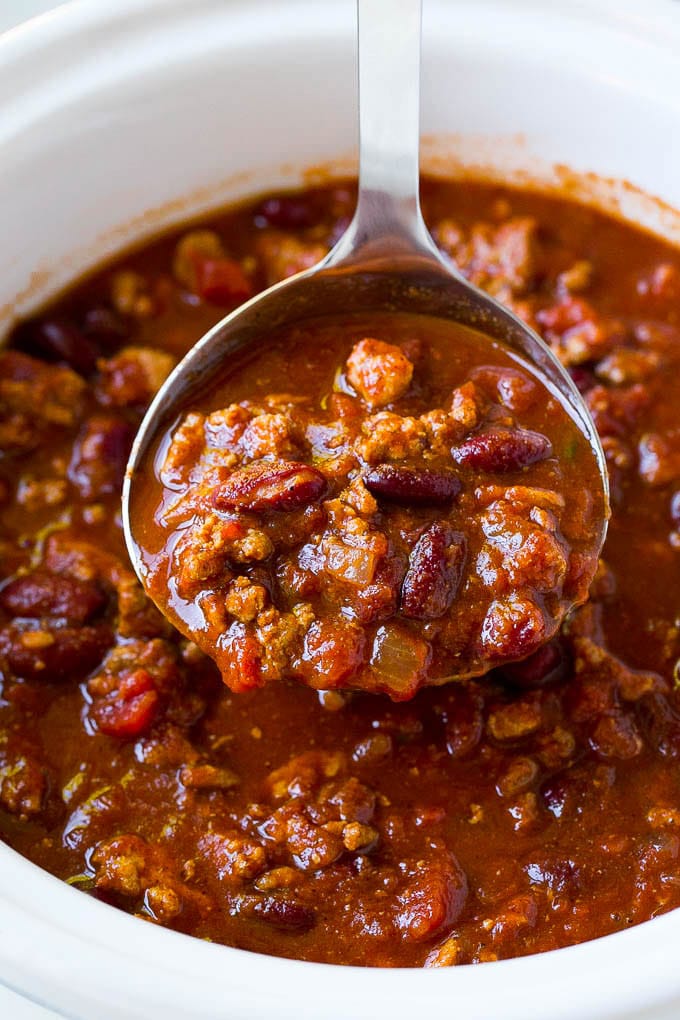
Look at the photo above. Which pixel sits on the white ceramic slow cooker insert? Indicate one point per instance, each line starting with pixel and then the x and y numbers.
pixel 119 119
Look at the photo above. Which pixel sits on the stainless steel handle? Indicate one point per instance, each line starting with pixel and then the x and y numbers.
pixel 388 207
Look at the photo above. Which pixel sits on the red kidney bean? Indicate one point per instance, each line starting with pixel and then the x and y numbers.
pixel 502 449
pixel 373 750
pixel 42 594
pixel 72 654
pixel 100 456
pixel 554 793
pixel 105 326
pixel 278 485
pixel 546 665
pixel 615 736
pixel 556 874
pixel 288 212
pixel 59 340
pixel 659 724
pixel 412 486
pixel 582 378
pixel 287 914
pixel 464 723
pixel 434 573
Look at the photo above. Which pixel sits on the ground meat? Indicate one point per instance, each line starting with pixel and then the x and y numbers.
pixel 500 259
pixel 262 540
pixel 132 377
pixel 281 255
pixel 23 784
pixel 206 549
pixel 389 436
pixel 380 372
pixel 35 398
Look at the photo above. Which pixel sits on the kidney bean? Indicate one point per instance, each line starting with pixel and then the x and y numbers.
pixel 288 212
pixel 100 456
pixel 105 326
pixel 373 750
pixel 558 875
pixel 502 449
pixel 545 666
pixel 464 723
pixel 43 594
pixel 60 340
pixel 434 573
pixel 659 724
pixel 412 486
pixel 287 914
pixel 71 654
pixel 554 793
pixel 278 485
pixel 582 378
pixel 615 736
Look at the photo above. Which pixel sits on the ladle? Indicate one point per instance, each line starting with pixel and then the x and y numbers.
pixel 386 260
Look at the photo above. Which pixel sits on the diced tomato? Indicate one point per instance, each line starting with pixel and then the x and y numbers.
pixel 433 898
pixel 221 281
pixel 333 652
pixel 239 659
pixel 126 718
pixel 135 683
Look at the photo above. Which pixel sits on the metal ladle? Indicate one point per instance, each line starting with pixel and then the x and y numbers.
pixel 386 260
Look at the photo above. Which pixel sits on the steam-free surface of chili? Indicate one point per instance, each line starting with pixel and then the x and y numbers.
pixel 533 808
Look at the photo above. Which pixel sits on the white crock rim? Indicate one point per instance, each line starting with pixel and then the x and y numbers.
pixel 70 952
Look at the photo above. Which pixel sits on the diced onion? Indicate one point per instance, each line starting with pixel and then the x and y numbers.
pixel 398 659
pixel 351 564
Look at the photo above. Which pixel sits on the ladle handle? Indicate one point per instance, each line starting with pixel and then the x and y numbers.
pixel 388 206
pixel 389 97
